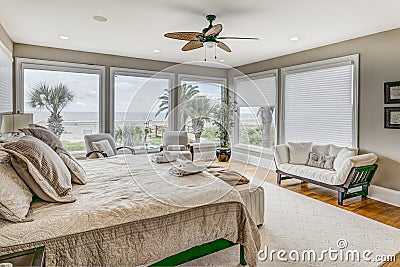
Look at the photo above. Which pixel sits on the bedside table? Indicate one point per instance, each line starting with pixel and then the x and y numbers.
pixel 32 257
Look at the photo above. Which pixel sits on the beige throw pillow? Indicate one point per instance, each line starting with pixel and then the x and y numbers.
pixel 299 152
pixel 342 156
pixel 15 196
pixel 78 174
pixel 41 169
pixel 45 136
pixel 104 146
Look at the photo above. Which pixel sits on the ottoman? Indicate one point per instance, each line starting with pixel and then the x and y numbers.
pixel 253 198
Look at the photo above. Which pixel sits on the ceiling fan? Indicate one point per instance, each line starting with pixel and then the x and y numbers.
pixel 209 36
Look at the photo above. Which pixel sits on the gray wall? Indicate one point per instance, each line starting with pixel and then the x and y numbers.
pixel 5 38
pixel 63 55
pixel 379 63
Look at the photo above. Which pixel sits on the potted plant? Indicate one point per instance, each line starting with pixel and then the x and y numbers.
pixel 225 121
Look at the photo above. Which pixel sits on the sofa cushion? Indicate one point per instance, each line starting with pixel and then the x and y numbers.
pixel 320 161
pixel 356 161
pixel 299 152
pixel 321 149
pixel 334 150
pixel 316 174
pixel 281 154
pixel 343 155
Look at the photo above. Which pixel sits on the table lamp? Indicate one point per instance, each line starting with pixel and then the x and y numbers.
pixel 10 123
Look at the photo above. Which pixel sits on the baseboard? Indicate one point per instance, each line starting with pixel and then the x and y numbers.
pixel 257 161
pixel 384 195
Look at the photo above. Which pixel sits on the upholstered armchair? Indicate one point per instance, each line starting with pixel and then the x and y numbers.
pixel 102 144
pixel 177 142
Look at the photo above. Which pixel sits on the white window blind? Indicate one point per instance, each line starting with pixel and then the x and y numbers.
pixel 6 102
pixel 257 92
pixel 319 104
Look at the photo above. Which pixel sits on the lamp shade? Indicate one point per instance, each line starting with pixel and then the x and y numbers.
pixel 10 123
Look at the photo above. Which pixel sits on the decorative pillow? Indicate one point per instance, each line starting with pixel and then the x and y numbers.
pixel 299 152
pixel 176 148
pixel 104 146
pixel 334 150
pixel 41 169
pixel 342 156
pixel 78 174
pixel 15 196
pixel 44 135
pixel 320 161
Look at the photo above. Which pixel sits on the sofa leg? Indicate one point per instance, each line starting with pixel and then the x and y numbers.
pixel 364 193
pixel 279 179
pixel 340 198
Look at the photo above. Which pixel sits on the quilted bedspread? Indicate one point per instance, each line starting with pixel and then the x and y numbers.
pixel 133 212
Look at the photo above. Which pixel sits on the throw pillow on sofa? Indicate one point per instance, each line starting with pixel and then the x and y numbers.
pixel 342 156
pixel 299 152
pixel 320 161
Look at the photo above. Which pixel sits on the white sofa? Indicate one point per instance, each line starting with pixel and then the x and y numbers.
pixel 350 174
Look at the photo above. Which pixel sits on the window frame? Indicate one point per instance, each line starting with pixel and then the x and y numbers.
pixel 317 65
pixel 255 76
pixel 200 78
pixel 47 65
pixel 142 74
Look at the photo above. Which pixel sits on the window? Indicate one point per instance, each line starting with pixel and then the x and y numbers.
pixel 320 102
pixel 199 98
pixel 65 99
pixel 256 99
pixel 140 116
pixel 6 102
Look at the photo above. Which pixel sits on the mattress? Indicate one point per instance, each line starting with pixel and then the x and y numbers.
pixel 133 212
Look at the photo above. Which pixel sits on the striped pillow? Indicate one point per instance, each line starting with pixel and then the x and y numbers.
pixel 41 169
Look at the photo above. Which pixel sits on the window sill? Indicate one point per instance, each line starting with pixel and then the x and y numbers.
pixel 251 148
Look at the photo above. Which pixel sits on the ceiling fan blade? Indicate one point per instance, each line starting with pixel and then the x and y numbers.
pixel 224 46
pixel 240 38
pixel 192 45
pixel 215 30
pixel 188 36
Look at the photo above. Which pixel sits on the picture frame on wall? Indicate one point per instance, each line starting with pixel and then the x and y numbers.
pixel 392 92
pixel 392 117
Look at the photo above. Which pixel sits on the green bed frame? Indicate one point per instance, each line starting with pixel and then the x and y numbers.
pixel 199 251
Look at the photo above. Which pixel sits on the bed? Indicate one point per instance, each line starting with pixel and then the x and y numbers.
pixel 132 212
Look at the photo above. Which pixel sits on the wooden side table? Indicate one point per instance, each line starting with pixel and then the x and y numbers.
pixel 32 257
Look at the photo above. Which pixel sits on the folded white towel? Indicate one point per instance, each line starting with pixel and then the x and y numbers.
pixel 184 168
pixel 163 157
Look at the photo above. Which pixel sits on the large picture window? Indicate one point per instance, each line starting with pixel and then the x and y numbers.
pixel 65 99
pixel 199 99
pixel 256 99
pixel 140 113
pixel 320 102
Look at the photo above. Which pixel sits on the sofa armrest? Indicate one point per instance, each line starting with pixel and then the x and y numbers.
pixel 356 161
pixel 281 154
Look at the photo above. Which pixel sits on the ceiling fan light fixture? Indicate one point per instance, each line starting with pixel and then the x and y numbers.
pixel 210 45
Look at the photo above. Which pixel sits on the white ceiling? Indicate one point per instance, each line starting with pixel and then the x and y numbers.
pixel 135 28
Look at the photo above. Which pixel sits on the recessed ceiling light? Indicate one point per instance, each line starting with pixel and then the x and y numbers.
pixel 156 51
pixel 221 60
pixel 294 38
pixel 63 37
pixel 100 18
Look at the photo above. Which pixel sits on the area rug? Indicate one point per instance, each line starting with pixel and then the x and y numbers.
pixel 298 224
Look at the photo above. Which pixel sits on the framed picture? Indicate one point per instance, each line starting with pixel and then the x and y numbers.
pixel 392 117
pixel 392 93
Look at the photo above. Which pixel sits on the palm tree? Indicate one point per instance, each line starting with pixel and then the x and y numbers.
pixel 265 115
pixel 54 99
pixel 200 109
pixel 186 93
